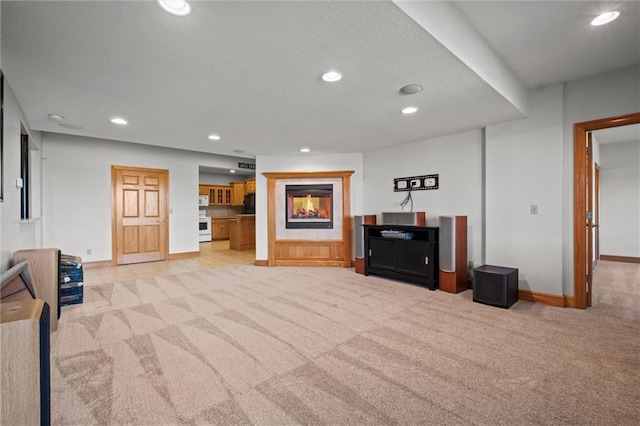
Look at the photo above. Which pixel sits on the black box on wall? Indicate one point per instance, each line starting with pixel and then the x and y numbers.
pixel 495 285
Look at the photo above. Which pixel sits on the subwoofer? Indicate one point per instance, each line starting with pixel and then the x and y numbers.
pixel 453 254
pixel 495 285
pixel 24 336
pixel 369 219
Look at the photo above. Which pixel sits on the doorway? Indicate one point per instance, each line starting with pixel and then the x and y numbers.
pixel 583 203
pixel 139 214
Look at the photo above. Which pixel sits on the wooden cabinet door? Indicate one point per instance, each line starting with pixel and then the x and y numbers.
pixel 228 196
pixel 250 185
pixel 220 229
pixel 140 212
pixel 237 196
pixel 203 189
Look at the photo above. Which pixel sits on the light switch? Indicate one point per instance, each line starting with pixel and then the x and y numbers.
pixel 534 209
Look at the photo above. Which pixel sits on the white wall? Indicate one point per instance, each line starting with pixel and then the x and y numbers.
pixel 620 199
pixel 524 168
pixel 77 188
pixel 14 233
pixel 605 95
pixel 301 163
pixel 216 179
pixel 457 159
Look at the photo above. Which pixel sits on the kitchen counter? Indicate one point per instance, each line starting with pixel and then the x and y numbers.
pixel 242 232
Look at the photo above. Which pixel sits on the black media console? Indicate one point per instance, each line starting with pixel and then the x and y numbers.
pixel 413 259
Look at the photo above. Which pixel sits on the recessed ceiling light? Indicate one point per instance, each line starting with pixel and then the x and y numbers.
pixel 232 171
pixel 70 126
pixel 331 76
pixel 605 18
pixel 119 120
pixel 214 137
pixel 305 150
pixel 175 7
pixel 56 117
pixel 409 110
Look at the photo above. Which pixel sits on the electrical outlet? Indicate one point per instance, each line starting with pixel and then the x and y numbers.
pixel 534 209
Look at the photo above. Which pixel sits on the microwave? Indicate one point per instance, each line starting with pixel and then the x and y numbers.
pixel 203 200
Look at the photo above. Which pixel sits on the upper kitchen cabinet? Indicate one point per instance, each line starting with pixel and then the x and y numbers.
pixel 203 189
pixel 250 186
pixel 238 191
pixel 220 195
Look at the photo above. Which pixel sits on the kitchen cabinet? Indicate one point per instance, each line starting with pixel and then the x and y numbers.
pixel 220 195
pixel 203 189
pixel 219 229
pixel 237 197
pixel 250 186
pixel 242 232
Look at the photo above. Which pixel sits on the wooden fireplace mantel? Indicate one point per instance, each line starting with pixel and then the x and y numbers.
pixel 311 252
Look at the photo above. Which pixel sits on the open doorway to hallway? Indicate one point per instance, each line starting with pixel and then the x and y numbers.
pixel 583 203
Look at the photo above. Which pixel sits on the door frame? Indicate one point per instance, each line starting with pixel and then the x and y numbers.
pixel 114 237
pixel 596 214
pixel 580 176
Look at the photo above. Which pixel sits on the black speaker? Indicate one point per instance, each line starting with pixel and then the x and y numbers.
pixel 495 285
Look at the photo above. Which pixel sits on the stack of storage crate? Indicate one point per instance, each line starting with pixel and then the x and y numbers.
pixel 71 280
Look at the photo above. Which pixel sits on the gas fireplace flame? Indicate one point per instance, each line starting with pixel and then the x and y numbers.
pixel 309 203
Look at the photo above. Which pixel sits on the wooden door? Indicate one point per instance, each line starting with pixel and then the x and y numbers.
pixel 139 214
pixel 589 224
pixel 596 215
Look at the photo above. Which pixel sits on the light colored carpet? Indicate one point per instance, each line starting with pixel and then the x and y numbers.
pixel 278 346
pixel 616 289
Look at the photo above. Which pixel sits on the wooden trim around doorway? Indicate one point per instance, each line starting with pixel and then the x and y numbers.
pixel 627 259
pixel 580 197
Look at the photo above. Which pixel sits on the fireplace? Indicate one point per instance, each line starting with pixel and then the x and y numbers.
pixel 309 206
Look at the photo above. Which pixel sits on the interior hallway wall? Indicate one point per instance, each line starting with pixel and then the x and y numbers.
pixel 524 169
pixel 620 199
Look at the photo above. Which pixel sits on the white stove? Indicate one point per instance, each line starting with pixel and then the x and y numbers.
pixel 204 227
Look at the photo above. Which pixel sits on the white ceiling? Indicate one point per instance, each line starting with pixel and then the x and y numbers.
pixel 545 42
pixel 250 71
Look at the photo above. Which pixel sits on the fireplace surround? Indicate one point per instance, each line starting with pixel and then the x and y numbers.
pixel 308 246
